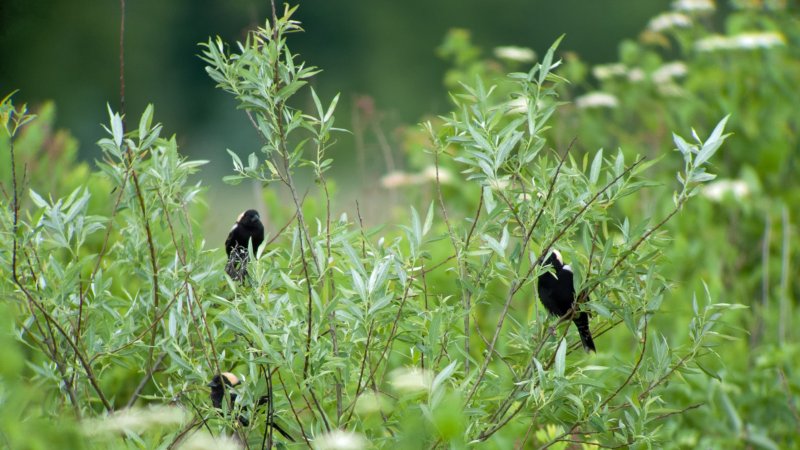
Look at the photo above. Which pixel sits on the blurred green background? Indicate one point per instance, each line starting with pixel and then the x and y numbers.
pixel 67 51
pixel 742 245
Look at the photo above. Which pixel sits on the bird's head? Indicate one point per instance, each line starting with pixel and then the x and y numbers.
pixel 555 259
pixel 228 378
pixel 249 218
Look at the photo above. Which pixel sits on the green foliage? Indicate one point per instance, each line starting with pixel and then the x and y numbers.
pixel 424 334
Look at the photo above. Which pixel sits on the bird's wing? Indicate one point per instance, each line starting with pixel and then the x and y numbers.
pixel 566 275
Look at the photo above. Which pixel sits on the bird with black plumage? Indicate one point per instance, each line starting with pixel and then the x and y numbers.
pixel 247 231
pixel 557 294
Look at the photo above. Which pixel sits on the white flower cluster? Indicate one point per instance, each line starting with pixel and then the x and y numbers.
pixel 411 379
pixel 519 54
pixel 596 99
pixel 606 71
pixel 667 21
pixel 669 71
pixel 717 190
pixel 618 70
pixel 742 41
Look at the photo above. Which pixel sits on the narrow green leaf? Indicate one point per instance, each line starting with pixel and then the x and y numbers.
pixel 594 173
pixel 561 358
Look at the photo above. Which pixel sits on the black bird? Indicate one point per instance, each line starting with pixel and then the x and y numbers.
pixel 557 294
pixel 247 229
pixel 231 381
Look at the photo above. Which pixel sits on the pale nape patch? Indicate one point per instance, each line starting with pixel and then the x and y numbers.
pixel 567 268
pixel 233 379
pixel 558 256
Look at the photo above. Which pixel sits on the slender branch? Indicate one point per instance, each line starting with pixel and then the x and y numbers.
pixel 465 292
pixel 151 248
pixel 294 411
pixel 122 57
pixel 145 380
pixel 635 367
pixel 86 366
pixel 361 228
pixel 550 189
pixel 673 413
pixel 393 332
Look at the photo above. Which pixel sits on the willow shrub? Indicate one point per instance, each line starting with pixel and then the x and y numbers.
pixel 347 331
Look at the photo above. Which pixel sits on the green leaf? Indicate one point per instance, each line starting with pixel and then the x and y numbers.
pixel 594 173
pixel 331 108
pixel 547 62
pixel 443 376
pixel 145 122
pixel 116 127
pixel 237 163
pixel 428 220
pixel 38 200
pixel 561 357
pixel 713 143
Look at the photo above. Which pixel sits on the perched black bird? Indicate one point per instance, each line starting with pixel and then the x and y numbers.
pixel 247 229
pixel 557 294
pixel 231 381
pixel 218 390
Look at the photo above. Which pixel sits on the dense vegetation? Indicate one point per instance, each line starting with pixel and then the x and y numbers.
pixel 426 332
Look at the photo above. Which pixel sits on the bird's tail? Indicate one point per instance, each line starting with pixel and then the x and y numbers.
pixel 582 322
pixel 236 268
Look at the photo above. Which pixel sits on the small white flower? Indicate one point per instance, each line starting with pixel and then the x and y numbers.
pixel 694 6
pixel 605 71
pixel 713 43
pixel 669 71
pixel 596 100
pixel 717 190
pixel 635 75
pixel 668 21
pixel 411 379
pixel 340 440
pixel 759 40
pixel 511 53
